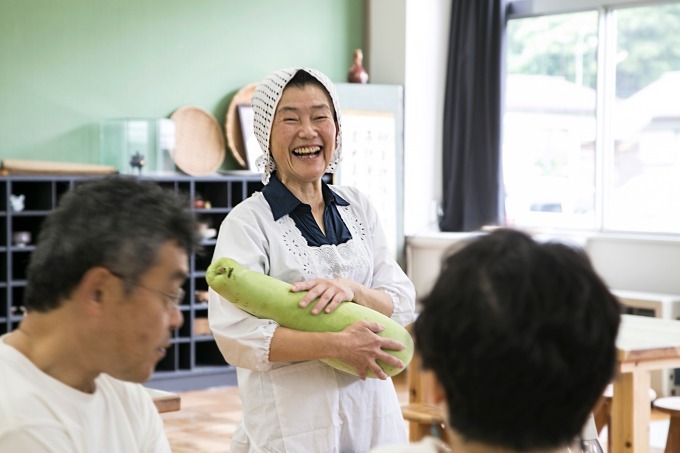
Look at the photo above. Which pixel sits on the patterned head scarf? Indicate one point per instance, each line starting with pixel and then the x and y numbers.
pixel 264 101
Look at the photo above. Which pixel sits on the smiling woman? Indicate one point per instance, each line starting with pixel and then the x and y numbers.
pixel 325 240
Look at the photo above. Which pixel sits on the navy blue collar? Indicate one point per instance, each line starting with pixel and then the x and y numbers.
pixel 282 201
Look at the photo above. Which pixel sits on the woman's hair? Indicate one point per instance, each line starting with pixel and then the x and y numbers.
pixel 302 78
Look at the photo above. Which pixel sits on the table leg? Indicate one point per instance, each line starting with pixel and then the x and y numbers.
pixel 417 431
pixel 673 439
pixel 630 414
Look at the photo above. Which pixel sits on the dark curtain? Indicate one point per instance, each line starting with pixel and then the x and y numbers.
pixel 472 116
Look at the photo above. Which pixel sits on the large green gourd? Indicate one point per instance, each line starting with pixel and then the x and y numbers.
pixel 269 298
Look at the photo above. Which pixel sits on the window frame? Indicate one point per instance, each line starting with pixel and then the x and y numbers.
pixel 606 89
pixel 526 8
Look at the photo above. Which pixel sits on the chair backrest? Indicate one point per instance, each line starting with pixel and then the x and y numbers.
pixel 421 383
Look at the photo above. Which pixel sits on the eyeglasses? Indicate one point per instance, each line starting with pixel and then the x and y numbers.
pixel 175 299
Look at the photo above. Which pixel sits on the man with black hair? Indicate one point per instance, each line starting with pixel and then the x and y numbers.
pixel 521 337
pixel 102 294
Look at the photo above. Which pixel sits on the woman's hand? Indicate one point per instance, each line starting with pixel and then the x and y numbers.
pixel 358 345
pixel 333 291
pixel 361 348
pixel 330 292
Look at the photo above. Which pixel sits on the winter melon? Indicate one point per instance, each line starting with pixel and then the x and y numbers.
pixel 269 298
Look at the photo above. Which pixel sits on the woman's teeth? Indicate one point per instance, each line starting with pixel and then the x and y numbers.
pixel 307 151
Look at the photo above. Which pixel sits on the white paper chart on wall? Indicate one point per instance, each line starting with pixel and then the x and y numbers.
pixel 369 163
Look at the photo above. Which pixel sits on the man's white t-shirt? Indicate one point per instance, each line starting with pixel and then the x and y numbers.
pixel 41 414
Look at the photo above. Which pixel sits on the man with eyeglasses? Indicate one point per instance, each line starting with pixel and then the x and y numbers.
pixel 102 295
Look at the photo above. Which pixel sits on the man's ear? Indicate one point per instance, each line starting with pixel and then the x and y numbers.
pixel 93 286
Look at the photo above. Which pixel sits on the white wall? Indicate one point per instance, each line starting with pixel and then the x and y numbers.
pixel 407 46
pixel 425 254
pixel 648 265
pixel 631 263
pixel 385 57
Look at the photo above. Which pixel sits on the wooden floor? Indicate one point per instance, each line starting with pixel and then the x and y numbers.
pixel 206 421
pixel 208 418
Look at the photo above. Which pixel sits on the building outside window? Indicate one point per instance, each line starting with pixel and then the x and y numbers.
pixel 591 131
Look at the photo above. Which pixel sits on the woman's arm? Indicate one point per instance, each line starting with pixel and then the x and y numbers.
pixel 388 276
pixel 242 338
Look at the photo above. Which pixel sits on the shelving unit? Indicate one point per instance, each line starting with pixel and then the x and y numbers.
pixel 193 361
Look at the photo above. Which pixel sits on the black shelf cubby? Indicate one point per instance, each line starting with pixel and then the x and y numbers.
pixel 193 361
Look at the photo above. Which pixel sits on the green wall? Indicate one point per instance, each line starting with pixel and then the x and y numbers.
pixel 65 65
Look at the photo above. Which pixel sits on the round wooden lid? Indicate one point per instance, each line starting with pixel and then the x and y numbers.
pixel 199 148
pixel 232 124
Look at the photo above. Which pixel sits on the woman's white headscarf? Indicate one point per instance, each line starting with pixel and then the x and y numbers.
pixel 264 101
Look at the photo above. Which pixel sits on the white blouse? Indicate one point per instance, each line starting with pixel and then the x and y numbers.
pixel 307 406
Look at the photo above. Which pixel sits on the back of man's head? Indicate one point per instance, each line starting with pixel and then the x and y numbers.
pixel 521 335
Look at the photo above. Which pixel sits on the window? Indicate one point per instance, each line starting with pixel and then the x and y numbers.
pixel 592 119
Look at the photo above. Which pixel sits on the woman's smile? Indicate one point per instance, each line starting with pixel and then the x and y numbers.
pixel 307 152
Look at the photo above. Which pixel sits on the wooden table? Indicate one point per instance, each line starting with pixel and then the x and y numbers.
pixel 643 344
pixel 164 401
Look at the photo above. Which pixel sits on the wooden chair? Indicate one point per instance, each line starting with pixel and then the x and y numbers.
pixel 602 412
pixel 425 417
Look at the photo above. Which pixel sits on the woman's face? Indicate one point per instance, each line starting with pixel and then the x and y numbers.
pixel 303 135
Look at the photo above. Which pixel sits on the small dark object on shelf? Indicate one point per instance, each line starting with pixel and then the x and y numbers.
pixel 18 310
pixel 137 161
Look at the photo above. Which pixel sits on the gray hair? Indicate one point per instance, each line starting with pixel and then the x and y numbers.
pixel 118 222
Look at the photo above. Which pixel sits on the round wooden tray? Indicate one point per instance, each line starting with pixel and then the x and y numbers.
pixel 199 149
pixel 232 124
